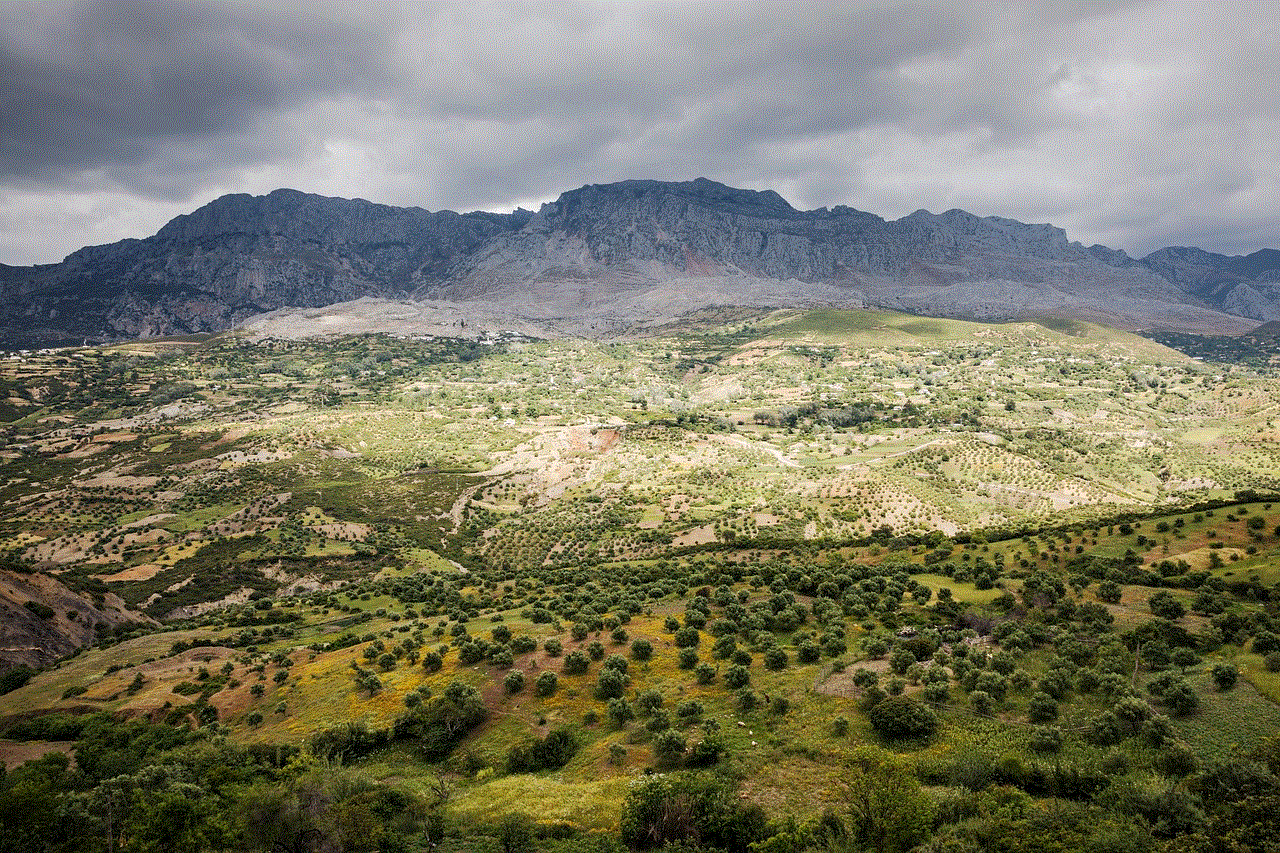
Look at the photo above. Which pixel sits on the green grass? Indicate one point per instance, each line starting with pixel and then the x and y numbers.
pixel 966 593
pixel 1228 722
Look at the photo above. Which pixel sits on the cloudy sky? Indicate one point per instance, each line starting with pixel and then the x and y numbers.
pixel 1136 125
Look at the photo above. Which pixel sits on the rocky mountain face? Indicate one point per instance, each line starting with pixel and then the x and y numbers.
pixel 42 620
pixel 235 257
pixel 621 253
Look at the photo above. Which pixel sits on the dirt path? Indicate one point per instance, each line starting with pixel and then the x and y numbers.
pixel 460 505
pixel 929 443
pixel 739 441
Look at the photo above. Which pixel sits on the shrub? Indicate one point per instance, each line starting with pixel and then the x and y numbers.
pixel 547 683
pixel 686 637
pixel 1180 698
pixel 1225 675
pixel 575 663
pixel 514 681
pixel 1046 739
pixel 620 711
pixel 687 808
pixel 669 747
pixel 649 701
pixel 903 717
pixel 737 676
pixel 706 752
pixel 775 659
pixel 549 753
pixel 689 710
pixel 641 650
pixel 439 724
pixel 1043 708
pixel 1166 606
pixel 982 702
pixel 610 683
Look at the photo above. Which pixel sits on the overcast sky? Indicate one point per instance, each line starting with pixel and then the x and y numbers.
pixel 1136 125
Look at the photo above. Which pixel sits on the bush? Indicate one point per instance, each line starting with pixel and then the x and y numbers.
pixel 575 663
pixel 706 752
pixel 1046 739
pixel 689 710
pixel 1225 675
pixel 514 681
pixel 610 683
pixel 903 717
pixel 775 659
pixel 549 753
pixel 620 711
pixel 1043 708
pixel 649 701
pixel 1166 606
pixel 1180 698
pixel 16 677
pixel 43 611
pixel 688 808
pixel 547 683
pixel 737 676
pixel 515 833
pixel 641 650
pixel 687 637
pixel 669 747
pixel 688 658
pixel 439 724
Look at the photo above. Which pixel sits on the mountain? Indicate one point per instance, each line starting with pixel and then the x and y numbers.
pixel 616 254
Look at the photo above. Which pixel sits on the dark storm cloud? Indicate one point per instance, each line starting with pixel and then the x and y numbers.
pixel 112 85
pixel 1135 124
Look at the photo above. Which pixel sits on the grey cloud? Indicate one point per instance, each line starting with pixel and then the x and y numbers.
pixel 124 81
pixel 1133 123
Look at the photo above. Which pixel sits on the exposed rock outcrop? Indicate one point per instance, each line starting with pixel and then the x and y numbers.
pixel 615 248
pixel 42 620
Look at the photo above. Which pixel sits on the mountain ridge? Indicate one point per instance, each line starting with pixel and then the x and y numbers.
pixel 643 247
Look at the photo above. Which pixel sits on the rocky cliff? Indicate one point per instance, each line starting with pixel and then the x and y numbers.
pixel 624 248
pixel 235 257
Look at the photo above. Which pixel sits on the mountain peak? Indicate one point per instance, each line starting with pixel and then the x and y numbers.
pixel 627 247
pixel 701 190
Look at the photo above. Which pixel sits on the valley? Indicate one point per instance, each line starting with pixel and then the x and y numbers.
pixel 525 580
